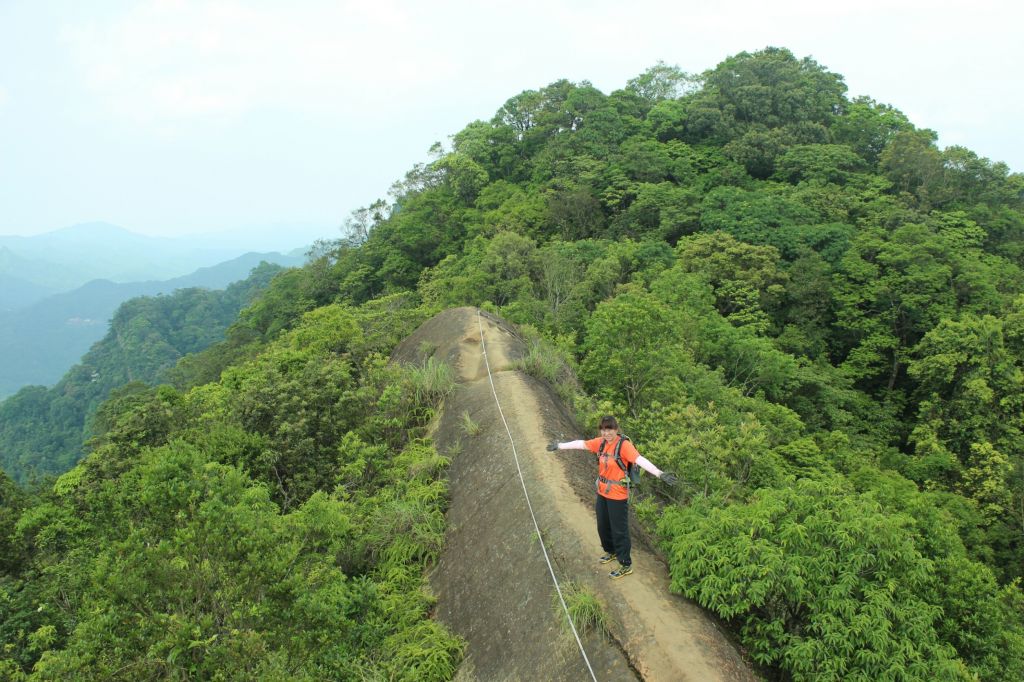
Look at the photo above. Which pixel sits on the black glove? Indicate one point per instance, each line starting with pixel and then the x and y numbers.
pixel 552 446
pixel 668 477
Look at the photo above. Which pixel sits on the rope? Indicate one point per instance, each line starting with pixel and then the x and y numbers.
pixel 536 527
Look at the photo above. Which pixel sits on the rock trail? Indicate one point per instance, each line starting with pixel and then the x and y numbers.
pixel 492 582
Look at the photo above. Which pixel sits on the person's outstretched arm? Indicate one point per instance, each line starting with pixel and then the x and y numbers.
pixel 570 445
pixel 649 467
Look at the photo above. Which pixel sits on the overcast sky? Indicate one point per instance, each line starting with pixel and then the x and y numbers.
pixel 174 117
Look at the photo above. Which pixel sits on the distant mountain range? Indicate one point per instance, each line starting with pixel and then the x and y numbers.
pixel 39 343
pixel 32 268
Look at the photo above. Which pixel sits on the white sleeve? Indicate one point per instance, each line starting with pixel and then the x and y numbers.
pixel 646 465
pixel 573 445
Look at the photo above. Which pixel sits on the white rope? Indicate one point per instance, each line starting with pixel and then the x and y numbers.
pixel 554 579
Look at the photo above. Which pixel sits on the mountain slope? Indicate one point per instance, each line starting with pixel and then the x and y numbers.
pixel 16 292
pixel 42 429
pixel 31 278
pixel 40 343
pixel 492 582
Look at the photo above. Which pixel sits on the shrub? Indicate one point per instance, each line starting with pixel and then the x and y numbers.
pixel 820 582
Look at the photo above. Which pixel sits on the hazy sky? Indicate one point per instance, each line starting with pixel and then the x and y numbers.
pixel 169 117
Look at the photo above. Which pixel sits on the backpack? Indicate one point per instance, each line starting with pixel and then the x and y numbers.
pixel 632 471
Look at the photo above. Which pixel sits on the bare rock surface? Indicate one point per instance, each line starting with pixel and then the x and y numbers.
pixel 493 581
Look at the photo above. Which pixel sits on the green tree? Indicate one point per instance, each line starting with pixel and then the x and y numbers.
pixel 631 351
pixel 820 582
pixel 11 504
pixel 892 288
pixel 818 162
pixel 770 90
pixel 760 216
pixel 866 127
pixel 662 82
pixel 968 435
pixel 746 279
pixel 914 165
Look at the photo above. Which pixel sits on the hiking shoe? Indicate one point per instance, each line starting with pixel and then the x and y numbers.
pixel 621 572
pixel 605 558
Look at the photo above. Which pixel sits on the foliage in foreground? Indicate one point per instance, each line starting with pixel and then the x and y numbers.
pixel 824 583
pixel 238 532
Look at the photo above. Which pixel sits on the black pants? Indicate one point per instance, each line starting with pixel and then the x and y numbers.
pixel 613 527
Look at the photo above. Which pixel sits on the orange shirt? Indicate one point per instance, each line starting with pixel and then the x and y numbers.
pixel 607 468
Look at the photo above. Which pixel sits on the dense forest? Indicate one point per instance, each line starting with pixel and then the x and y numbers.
pixel 42 430
pixel 794 299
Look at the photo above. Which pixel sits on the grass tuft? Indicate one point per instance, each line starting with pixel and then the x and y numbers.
pixel 432 381
pixel 585 610
pixel 470 427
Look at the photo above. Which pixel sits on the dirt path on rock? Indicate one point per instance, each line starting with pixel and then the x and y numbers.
pixel 654 635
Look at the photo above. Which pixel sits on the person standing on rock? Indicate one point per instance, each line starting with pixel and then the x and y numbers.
pixel 612 505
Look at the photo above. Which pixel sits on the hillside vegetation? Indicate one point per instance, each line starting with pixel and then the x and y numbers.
pixel 795 300
pixel 42 341
pixel 42 430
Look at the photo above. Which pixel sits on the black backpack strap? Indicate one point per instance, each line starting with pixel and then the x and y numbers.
pixel 625 468
pixel 618 456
